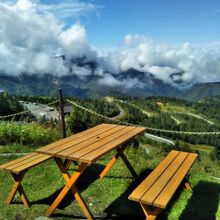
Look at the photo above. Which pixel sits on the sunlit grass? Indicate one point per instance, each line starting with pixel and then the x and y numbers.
pixel 110 194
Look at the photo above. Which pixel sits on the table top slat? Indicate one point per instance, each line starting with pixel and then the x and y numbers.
pixel 99 142
pixel 91 144
pixel 73 137
pixel 114 143
pixel 164 178
pixel 153 176
pixel 167 193
pixel 75 145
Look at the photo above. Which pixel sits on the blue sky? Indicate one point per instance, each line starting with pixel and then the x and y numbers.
pixel 171 21
pixel 161 37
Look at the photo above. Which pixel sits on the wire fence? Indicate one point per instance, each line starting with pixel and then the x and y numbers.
pixel 148 128
pixel 165 131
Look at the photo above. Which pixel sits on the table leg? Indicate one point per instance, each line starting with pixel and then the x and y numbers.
pixel 109 165
pixel 64 170
pixel 127 163
pixel 70 184
pixel 18 187
pixel 113 161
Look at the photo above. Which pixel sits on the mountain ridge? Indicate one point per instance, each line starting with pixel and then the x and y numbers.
pixel 91 86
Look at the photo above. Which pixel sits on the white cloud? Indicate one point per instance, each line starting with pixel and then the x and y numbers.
pixel 69 8
pixel 199 63
pixel 82 72
pixel 74 41
pixel 31 37
pixel 32 34
pixel 110 80
pixel 24 5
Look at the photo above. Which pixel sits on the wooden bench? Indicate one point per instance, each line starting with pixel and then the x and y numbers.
pixel 18 168
pixel 157 189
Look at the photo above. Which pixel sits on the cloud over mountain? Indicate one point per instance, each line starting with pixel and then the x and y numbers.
pixel 33 35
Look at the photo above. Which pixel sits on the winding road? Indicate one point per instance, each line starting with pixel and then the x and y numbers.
pixel 196 116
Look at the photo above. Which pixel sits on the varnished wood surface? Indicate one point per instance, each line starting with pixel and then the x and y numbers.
pixel 25 162
pixel 89 145
pixel 158 188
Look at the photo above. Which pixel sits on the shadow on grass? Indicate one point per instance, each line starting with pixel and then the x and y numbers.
pixel 118 177
pixel 88 177
pixel 122 207
pixel 204 202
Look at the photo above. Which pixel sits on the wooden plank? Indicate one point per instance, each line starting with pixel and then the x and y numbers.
pixel 93 156
pixel 18 187
pixel 4 166
pixel 73 137
pixel 167 193
pixel 71 182
pixel 11 168
pixel 84 140
pixel 31 163
pixel 109 136
pixel 162 181
pixel 153 176
pixel 14 165
pixel 64 170
pixel 150 214
pixel 17 182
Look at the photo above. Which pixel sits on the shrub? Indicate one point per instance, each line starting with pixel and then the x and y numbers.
pixel 26 134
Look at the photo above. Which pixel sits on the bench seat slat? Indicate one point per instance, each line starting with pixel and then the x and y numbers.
pixel 32 163
pixel 167 193
pixel 24 163
pixel 10 163
pixel 154 175
pixel 164 178
pixel 21 163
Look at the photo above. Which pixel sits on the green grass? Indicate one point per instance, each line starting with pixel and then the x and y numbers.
pixel 15 148
pixel 109 195
pixel 172 107
pixel 203 148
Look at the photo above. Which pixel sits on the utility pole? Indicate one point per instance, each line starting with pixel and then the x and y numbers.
pixel 62 120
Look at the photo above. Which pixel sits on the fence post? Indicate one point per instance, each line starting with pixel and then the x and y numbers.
pixel 62 120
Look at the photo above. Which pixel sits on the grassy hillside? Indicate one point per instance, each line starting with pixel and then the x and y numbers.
pixel 202 90
pixel 110 195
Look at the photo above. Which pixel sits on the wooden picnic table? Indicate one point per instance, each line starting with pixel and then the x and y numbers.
pixel 85 148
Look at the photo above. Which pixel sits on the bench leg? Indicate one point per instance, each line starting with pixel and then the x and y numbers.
pixel 70 184
pixel 188 186
pixel 150 214
pixel 18 187
pixel 113 161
